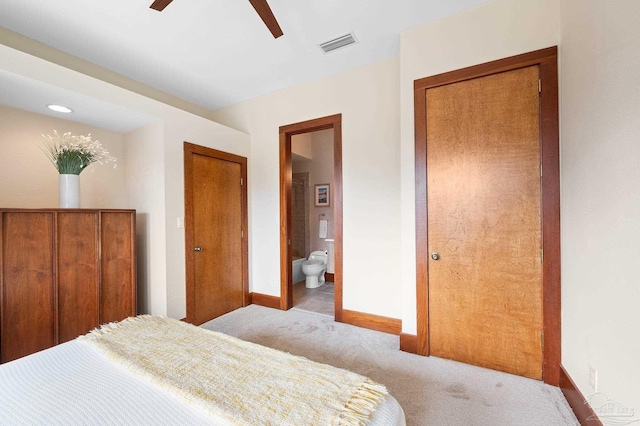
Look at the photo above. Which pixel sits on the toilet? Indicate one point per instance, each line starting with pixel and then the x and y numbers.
pixel 314 268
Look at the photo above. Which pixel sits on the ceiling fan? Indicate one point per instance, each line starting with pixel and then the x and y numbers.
pixel 261 6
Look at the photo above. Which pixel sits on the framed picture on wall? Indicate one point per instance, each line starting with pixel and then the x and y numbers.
pixel 322 195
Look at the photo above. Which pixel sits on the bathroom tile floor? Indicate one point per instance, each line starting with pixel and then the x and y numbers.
pixel 319 300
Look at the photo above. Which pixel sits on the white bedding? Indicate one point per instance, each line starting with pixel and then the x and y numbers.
pixel 72 384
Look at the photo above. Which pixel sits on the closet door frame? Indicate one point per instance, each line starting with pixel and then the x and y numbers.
pixel 546 60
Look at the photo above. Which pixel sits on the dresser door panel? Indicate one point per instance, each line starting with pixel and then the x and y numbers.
pixel 77 274
pixel 27 284
pixel 117 234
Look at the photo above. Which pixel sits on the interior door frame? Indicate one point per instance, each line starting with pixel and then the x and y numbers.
pixel 546 59
pixel 286 132
pixel 188 150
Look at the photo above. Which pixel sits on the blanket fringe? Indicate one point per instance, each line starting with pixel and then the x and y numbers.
pixel 359 409
pixel 104 329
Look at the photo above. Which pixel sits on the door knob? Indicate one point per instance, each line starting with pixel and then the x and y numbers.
pixel 435 256
pixel 197 248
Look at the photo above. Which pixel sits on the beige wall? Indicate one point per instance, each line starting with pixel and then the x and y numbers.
pixel 600 128
pixel 496 30
pixel 320 169
pixel 29 180
pixel 145 180
pixel 368 100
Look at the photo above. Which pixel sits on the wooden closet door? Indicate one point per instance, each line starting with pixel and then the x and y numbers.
pixel 484 221
pixel 77 245
pixel 216 215
pixel 117 266
pixel 27 284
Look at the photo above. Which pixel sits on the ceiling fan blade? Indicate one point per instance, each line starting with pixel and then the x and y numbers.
pixel 159 5
pixel 263 9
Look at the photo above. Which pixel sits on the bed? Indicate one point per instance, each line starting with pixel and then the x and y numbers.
pixel 154 370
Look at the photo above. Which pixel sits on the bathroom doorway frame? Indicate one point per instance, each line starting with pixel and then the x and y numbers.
pixel 286 132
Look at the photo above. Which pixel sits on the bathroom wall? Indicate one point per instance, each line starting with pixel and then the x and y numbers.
pixel 320 169
pixel 301 146
pixel 300 234
pixel 300 216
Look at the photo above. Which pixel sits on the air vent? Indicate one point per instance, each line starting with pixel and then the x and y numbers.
pixel 338 42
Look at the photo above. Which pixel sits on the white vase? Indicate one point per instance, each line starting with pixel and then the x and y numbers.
pixel 69 186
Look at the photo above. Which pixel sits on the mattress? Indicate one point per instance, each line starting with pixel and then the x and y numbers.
pixel 72 384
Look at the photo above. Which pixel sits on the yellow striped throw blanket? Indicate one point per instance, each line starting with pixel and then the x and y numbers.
pixel 239 382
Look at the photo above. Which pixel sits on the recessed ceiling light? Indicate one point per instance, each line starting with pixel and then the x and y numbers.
pixel 60 108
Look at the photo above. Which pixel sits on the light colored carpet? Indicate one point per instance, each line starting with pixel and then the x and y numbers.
pixel 432 391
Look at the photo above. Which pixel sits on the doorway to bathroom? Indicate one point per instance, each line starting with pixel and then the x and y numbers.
pixel 311 214
pixel 312 221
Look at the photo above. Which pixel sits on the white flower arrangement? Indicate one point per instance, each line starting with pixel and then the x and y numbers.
pixel 72 154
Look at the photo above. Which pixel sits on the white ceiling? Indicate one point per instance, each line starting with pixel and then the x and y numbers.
pixel 218 52
pixel 32 95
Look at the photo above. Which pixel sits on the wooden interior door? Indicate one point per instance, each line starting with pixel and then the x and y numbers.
pixel 215 211
pixel 484 222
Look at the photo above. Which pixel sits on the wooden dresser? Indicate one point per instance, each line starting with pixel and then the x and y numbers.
pixel 63 272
